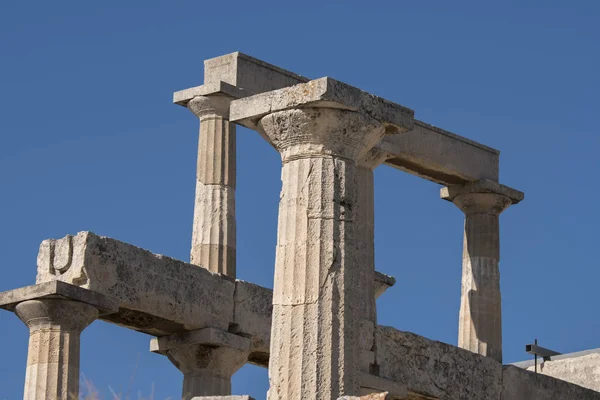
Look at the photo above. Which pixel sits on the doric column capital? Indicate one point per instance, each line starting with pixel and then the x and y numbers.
pixel 300 132
pixel 203 106
pixel 482 197
pixel 48 313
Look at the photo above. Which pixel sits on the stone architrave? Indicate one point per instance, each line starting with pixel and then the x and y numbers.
pixel 322 129
pixel 56 313
pixel 480 319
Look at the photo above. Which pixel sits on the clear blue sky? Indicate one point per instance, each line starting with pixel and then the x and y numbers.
pixel 89 140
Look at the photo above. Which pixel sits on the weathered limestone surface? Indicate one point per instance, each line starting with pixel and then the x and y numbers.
pixel 436 369
pixel 480 320
pixel 519 384
pixel 426 151
pixel 55 327
pixel 214 231
pixel 154 294
pixel 56 313
pixel 322 129
pixel 158 295
pixel 440 156
pixel 208 358
pixel 581 368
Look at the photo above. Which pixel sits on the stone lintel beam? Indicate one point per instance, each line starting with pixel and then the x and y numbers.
pixel 204 336
pixel 426 151
pixel 440 156
pixel 450 193
pixel 158 295
pixel 321 93
pixel 238 75
pixel 58 290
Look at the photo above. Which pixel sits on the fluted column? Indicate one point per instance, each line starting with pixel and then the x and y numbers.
pixel 213 235
pixel 318 293
pixel 53 355
pixel 480 318
pixel 207 370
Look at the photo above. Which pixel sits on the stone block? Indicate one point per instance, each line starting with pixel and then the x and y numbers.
pixel 582 368
pixel 440 156
pixel 158 295
pixel 519 384
pixel 249 73
pixel 323 92
pixel 433 369
pixel 252 317
pixel 58 290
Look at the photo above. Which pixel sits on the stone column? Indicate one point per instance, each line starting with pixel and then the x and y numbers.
pixel 318 293
pixel 207 357
pixel 53 356
pixel 207 370
pixel 480 319
pixel 213 236
pixel 365 208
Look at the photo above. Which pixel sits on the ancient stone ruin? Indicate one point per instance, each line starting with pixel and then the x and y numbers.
pixel 316 331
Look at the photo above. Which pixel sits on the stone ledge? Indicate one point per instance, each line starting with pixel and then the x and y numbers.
pixel 222 398
pixel 182 97
pixel 58 290
pixel 483 186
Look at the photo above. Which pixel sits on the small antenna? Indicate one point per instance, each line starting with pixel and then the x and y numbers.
pixel 536 350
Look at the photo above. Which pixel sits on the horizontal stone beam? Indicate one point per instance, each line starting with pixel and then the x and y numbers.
pixel 440 156
pixel 58 290
pixel 426 151
pixel 159 295
pixel 433 369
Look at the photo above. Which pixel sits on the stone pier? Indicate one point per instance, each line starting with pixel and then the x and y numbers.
pixel 56 313
pixel 480 319
pixel 321 129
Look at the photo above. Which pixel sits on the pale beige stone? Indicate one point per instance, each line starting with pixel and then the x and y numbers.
pixel 480 319
pixel 55 326
pixel 157 295
pixel 208 358
pixel 581 368
pixel 319 264
pixel 213 234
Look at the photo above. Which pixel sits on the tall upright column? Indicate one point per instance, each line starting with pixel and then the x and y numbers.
pixel 365 208
pixel 53 356
pixel 319 263
pixel 213 236
pixel 480 319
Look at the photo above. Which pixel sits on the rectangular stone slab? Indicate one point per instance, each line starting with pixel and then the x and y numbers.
pixel 322 92
pixel 158 295
pixel 60 290
pixel 426 151
pixel 440 156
